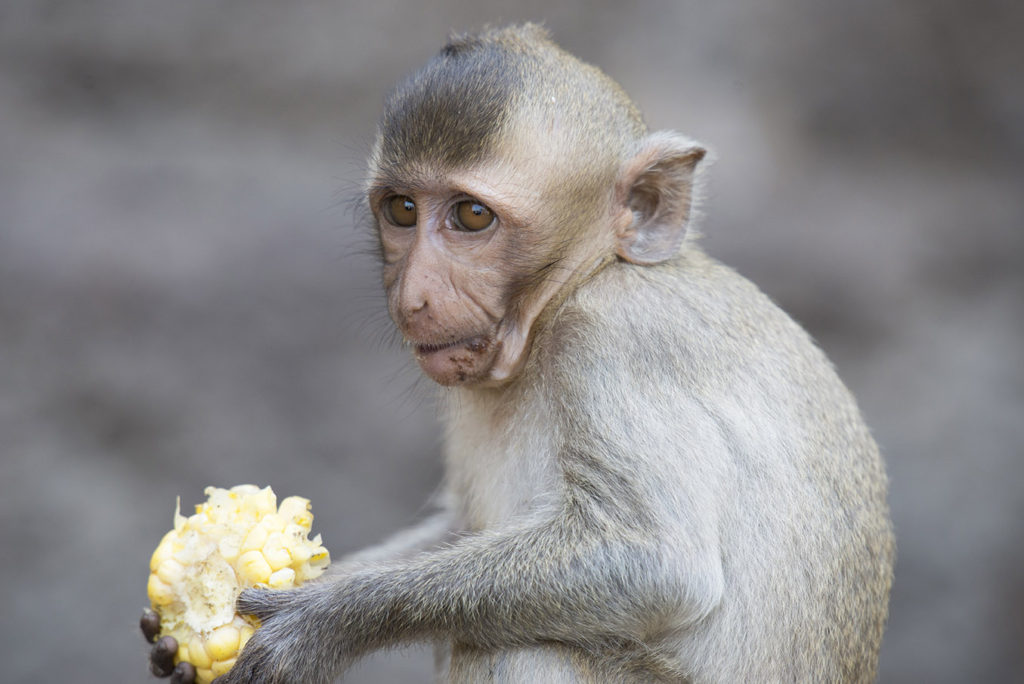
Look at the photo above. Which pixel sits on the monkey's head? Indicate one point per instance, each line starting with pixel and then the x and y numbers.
pixel 504 173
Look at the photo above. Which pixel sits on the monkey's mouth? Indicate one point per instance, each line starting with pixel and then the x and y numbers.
pixel 466 360
pixel 473 344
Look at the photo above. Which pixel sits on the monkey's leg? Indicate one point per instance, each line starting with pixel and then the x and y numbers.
pixel 548 663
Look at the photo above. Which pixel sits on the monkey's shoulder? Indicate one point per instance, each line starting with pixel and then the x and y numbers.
pixel 691 305
pixel 691 328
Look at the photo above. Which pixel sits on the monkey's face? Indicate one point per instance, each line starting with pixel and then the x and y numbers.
pixel 462 252
pixel 450 249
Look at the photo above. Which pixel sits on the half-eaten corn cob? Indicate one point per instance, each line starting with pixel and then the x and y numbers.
pixel 238 539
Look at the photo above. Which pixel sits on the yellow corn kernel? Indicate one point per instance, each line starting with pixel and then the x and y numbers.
pixel 275 551
pixel 170 572
pixel 159 593
pixel 282 579
pixel 293 507
pixel 164 550
pixel 255 539
pixel 236 539
pixel 260 503
pixel 253 568
pixel 272 522
pixel 222 666
pixel 197 654
pixel 223 642
pixel 300 554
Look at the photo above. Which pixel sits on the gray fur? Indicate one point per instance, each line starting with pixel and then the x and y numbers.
pixel 675 487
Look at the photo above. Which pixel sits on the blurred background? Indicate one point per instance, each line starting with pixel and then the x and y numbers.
pixel 186 296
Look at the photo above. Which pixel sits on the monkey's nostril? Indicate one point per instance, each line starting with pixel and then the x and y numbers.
pixel 414 308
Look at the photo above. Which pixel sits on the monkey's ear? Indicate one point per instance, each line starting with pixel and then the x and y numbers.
pixel 656 185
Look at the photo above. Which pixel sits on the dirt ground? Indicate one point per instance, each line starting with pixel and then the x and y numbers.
pixel 187 296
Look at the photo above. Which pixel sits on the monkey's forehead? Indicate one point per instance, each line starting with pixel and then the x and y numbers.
pixel 464 101
pixel 456 107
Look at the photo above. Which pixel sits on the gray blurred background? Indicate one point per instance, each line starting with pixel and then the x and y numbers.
pixel 186 297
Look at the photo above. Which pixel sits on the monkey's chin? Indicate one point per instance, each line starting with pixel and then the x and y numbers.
pixel 464 362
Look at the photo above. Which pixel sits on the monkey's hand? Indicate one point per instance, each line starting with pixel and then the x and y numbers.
pixel 292 644
pixel 161 655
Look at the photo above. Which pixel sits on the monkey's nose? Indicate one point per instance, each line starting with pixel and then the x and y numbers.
pixel 415 310
pixel 413 306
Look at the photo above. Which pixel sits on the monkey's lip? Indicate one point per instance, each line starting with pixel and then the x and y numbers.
pixel 477 343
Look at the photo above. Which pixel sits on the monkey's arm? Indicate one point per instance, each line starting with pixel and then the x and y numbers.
pixel 563 579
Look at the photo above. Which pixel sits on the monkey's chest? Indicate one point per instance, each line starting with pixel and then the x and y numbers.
pixel 495 475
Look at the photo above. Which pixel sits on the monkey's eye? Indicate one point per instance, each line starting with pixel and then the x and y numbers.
pixel 400 210
pixel 472 216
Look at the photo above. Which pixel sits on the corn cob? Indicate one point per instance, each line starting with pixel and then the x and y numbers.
pixel 238 538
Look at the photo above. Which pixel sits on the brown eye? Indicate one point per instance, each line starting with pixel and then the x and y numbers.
pixel 473 216
pixel 401 211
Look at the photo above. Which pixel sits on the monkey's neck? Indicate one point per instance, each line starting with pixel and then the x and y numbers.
pixel 585 271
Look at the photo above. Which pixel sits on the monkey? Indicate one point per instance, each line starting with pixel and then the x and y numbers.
pixel 653 474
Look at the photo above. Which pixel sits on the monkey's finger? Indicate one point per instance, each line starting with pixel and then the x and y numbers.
pixel 161 657
pixel 184 673
pixel 149 623
pixel 258 602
